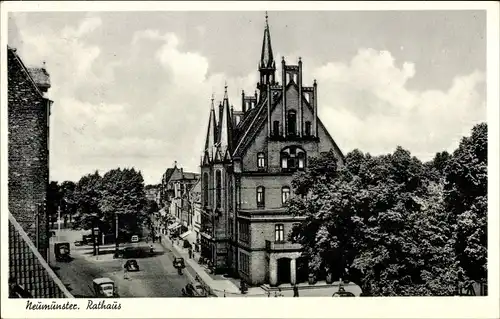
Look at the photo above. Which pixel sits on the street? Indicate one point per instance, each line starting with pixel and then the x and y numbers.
pixel 157 276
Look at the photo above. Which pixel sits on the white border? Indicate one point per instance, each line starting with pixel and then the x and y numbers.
pixel 430 307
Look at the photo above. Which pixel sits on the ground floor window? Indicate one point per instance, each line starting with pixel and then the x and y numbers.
pixel 244 263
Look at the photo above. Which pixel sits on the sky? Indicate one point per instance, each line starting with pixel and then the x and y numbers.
pixel 133 89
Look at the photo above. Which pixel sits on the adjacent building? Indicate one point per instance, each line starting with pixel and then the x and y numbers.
pixel 246 173
pixel 28 124
pixel 28 157
pixel 151 192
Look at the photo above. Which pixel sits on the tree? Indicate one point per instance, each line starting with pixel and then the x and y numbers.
pixel 466 191
pixel 123 194
pixel 87 196
pixel 383 219
pixel 53 201
pixel 68 204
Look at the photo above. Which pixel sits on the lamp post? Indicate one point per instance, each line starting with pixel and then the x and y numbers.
pixel 117 246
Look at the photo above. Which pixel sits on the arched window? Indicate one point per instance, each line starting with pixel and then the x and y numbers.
pixel 261 196
pixel 292 123
pixel 218 188
pixel 308 129
pixel 205 189
pixel 285 194
pixel 260 160
pixel 293 158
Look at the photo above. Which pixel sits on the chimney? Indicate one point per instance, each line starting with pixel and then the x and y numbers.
pixel 41 78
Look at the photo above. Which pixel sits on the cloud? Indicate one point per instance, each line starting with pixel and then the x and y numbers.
pixel 150 107
pixel 367 104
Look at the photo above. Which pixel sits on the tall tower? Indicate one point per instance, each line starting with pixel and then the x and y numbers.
pixel 267 67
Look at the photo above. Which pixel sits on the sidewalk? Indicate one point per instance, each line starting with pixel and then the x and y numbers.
pixel 217 288
pixel 228 287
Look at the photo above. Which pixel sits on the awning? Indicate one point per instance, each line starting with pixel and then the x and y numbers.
pixel 174 226
pixel 184 235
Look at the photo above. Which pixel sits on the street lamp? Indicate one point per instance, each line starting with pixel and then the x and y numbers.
pixel 117 246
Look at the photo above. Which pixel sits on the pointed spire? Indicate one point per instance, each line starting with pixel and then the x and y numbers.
pixel 210 141
pixel 225 126
pixel 266 58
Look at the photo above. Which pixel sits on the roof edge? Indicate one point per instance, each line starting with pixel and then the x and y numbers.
pixel 42 260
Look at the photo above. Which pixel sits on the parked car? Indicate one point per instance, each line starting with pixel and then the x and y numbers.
pixel 78 243
pixel 132 265
pixel 104 287
pixel 62 252
pixel 195 291
pixel 179 262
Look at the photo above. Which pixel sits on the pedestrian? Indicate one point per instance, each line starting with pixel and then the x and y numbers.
pixel 190 251
pixel 125 270
pixel 295 290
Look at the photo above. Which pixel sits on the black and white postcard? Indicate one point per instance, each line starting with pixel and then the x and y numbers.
pixel 219 159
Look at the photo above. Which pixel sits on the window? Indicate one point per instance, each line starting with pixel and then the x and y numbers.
pixel 244 231
pixel 293 158
pixel 285 194
pixel 302 159
pixel 260 196
pixel 292 123
pixel 260 160
pixel 308 129
pixel 205 189
pixel 276 128
pixel 218 188
pixel 279 232
pixel 244 263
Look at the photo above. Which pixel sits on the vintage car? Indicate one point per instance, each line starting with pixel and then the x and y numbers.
pixel 195 291
pixel 62 251
pixel 131 265
pixel 104 288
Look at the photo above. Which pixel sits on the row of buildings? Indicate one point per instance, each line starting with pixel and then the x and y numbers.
pixel 29 108
pixel 179 197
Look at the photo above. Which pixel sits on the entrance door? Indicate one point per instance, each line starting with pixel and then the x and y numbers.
pixel 283 270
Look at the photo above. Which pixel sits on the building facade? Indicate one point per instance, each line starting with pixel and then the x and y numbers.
pixel 28 149
pixel 246 173
pixel 30 275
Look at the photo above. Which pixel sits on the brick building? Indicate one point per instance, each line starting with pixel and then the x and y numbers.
pixel 247 166
pixel 28 124
pixel 30 276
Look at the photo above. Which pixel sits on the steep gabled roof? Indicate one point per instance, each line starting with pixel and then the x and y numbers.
pixel 29 76
pixel 169 173
pixel 259 118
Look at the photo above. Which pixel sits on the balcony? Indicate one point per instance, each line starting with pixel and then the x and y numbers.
pixel 272 246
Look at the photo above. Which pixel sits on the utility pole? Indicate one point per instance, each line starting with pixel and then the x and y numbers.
pixel 59 223
pixel 116 235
